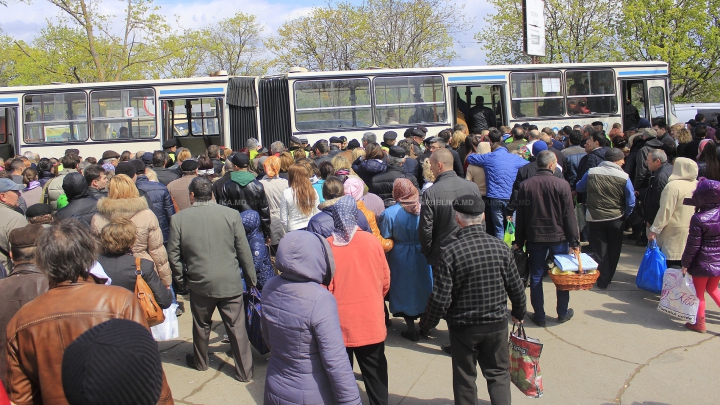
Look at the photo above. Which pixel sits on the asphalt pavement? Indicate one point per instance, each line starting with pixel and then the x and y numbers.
pixel 617 349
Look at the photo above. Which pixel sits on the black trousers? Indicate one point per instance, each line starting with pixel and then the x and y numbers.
pixel 374 369
pixel 232 312
pixel 490 351
pixel 606 238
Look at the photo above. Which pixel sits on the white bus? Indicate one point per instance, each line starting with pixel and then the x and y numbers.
pixel 221 110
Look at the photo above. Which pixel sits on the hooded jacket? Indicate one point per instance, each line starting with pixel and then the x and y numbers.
pixel 149 242
pixel 81 205
pixel 54 188
pixel 322 223
pixel 367 169
pixel 702 251
pixel 159 202
pixel 500 171
pixel 260 253
pixel 243 192
pixel 300 324
pixel 672 222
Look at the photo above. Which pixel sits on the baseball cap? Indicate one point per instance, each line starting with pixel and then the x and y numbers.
pixel 9 185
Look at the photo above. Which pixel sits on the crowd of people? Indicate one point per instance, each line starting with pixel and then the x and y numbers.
pixel 327 234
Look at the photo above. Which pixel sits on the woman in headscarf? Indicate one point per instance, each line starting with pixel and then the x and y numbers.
pixel 410 274
pixel 362 278
pixel 309 363
pixel 274 186
pixel 354 188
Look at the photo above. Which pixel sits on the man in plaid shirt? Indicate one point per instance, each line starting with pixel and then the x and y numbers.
pixel 471 287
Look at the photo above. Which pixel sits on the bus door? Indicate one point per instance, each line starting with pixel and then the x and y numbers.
pixel 657 99
pixel 492 96
pixel 8 132
pixel 196 123
pixel 644 99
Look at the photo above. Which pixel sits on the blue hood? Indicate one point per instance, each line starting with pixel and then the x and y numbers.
pixel 374 166
pixel 251 223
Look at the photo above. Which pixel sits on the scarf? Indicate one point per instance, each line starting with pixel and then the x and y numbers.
pixel 345 221
pixel 701 147
pixel 342 172
pixel 405 194
pixel 32 185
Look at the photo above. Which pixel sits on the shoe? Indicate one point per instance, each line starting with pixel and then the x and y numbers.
pixel 179 311
pixel 567 317
pixel 537 322
pixel 388 322
pixel 190 361
pixel 583 244
pixel 447 348
pixel 600 286
pixel 412 336
pixel 698 326
pixel 225 339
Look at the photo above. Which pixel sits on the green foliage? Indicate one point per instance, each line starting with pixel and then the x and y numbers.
pixel 377 33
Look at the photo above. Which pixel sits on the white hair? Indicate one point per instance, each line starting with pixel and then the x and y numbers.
pixel 658 154
pixel 29 155
pixel 469 219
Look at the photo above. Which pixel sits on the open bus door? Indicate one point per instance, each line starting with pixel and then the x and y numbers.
pixel 196 123
pixel 648 97
pixel 8 133
pixel 465 97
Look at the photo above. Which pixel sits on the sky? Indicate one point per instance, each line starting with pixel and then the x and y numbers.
pixel 23 20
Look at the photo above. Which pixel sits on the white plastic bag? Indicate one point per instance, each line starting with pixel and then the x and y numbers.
pixel 678 297
pixel 169 329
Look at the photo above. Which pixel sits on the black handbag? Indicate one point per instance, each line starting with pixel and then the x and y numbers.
pixel 523 266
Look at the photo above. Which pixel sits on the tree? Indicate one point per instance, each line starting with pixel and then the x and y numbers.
pixel 680 32
pixel 385 33
pixel 575 31
pixel 234 45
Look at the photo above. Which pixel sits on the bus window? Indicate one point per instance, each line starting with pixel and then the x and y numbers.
pixel 657 102
pixel 590 92
pixel 55 117
pixel 409 100
pixel 536 94
pixel 204 117
pixel 122 114
pixel 325 104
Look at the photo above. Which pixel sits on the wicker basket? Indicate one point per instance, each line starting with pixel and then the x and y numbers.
pixel 574 282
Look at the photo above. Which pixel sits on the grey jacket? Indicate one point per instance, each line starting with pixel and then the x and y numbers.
pixel 209 240
pixel 610 193
pixel 437 217
pixel 54 189
pixel 9 220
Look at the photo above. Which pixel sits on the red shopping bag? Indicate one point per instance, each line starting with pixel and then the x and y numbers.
pixel 525 362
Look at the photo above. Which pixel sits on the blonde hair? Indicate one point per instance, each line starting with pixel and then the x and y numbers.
pixel 427 171
pixel 226 153
pixel 458 139
pixel 340 162
pixel 684 135
pixel 119 236
pixel 184 155
pixel 121 186
pixel 357 152
pixel 151 175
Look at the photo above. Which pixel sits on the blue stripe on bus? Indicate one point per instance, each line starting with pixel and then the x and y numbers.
pixel 189 91
pixel 9 100
pixel 475 78
pixel 644 72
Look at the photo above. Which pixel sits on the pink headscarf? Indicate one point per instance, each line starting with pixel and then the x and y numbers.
pixel 354 187
pixel 701 147
pixel 405 194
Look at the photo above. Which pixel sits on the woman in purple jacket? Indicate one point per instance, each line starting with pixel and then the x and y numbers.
pixel 308 361
pixel 701 257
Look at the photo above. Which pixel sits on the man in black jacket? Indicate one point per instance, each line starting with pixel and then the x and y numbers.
pixel 527 172
pixel 80 205
pixel 472 284
pixel 481 117
pixel 158 198
pixel 243 192
pixel 437 224
pixel 160 160
pixel 97 181
pixel 443 141
pixel 382 184
pixel 661 170
pixel 546 221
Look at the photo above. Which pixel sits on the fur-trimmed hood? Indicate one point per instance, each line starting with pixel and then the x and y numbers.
pixel 116 208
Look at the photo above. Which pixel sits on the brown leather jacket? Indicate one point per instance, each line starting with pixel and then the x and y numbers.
pixel 42 329
pixel 22 286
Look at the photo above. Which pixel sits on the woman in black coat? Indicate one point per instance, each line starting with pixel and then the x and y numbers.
pixel 118 238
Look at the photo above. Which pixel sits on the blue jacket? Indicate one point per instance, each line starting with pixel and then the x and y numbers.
pixel 261 255
pixel 572 167
pixel 500 170
pixel 300 323
pixel 159 202
pixel 367 169
pixel 322 223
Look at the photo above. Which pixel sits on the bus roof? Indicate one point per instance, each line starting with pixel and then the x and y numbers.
pixel 133 83
pixel 468 69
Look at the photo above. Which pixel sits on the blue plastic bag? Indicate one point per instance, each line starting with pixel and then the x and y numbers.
pixel 652 269
pixel 252 320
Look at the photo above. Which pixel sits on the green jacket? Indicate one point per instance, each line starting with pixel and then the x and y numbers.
pixel 207 241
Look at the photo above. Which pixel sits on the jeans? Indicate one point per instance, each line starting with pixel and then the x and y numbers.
pixel 497 212
pixel 537 254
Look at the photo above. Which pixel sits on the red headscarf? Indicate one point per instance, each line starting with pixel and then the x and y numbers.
pixel 405 194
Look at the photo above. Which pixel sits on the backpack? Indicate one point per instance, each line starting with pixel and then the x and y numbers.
pixel 143 293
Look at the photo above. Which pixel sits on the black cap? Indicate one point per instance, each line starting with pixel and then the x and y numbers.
pixel 353 144
pixel 390 135
pixel 265 150
pixel 170 143
pixel 335 139
pixel 343 138
pixel 469 205
pixel 614 154
pixel 189 165
pixel 397 152
pixel 295 139
pixel 597 123
pixel 75 151
pixel 240 160
pixel 110 154
pixel 418 132
pixel 139 166
pixel 37 210
pixel 422 128
pixel 126 168
pixel 147 158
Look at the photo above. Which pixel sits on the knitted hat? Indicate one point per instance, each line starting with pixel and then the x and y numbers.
pixel 126 168
pixel 354 187
pixel 538 147
pixel 614 155
pixel 114 363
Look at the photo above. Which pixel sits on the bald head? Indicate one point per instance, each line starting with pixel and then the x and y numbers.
pixel 534 135
pixel 441 161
